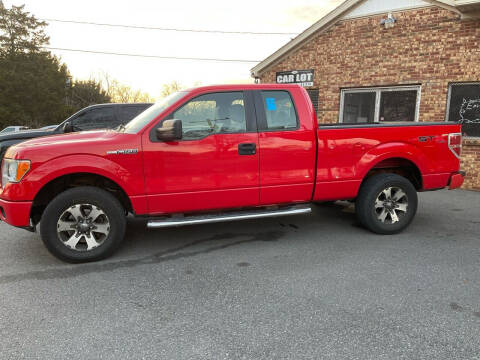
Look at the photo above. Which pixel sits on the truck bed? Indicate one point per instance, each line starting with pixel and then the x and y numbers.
pixel 346 153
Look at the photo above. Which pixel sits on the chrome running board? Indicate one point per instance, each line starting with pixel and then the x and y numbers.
pixel 231 216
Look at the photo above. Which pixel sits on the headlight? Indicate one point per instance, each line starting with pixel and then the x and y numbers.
pixel 14 170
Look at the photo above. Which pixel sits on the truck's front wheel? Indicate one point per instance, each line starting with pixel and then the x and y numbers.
pixel 83 224
pixel 386 203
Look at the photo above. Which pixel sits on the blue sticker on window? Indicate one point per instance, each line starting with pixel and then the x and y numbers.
pixel 271 106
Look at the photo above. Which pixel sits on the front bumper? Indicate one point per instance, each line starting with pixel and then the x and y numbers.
pixel 16 213
pixel 456 180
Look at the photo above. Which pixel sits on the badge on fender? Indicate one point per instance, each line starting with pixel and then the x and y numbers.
pixel 122 152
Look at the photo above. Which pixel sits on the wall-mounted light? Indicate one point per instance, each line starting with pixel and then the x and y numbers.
pixel 389 22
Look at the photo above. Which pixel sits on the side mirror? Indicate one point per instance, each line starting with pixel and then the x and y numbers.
pixel 171 130
pixel 67 127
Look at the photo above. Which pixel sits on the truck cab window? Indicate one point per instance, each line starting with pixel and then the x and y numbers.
pixel 279 110
pixel 217 113
pixel 97 118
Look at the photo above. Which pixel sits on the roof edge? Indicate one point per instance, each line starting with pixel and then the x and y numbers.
pixel 446 4
pixel 322 23
pixel 331 18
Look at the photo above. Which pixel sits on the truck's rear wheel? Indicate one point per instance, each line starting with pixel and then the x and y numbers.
pixel 83 224
pixel 386 203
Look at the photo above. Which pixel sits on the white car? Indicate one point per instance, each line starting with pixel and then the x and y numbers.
pixel 49 127
pixel 10 129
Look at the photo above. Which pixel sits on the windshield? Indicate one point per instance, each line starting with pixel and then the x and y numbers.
pixel 7 129
pixel 141 120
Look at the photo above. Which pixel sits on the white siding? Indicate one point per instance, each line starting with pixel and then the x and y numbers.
pixel 370 7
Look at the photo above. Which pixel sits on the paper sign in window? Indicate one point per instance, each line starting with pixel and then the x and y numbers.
pixel 271 105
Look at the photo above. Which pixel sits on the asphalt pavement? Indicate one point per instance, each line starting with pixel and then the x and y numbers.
pixel 302 287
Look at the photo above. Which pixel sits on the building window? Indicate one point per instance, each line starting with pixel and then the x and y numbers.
pixel 359 107
pixel 463 106
pixel 314 93
pixel 380 105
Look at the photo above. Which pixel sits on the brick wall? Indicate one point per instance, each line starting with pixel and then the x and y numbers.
pixel 429 46
pixel 471 163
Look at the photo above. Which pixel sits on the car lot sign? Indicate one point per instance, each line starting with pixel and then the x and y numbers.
pixel 302 77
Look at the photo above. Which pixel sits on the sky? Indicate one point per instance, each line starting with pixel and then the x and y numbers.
pixel 149 74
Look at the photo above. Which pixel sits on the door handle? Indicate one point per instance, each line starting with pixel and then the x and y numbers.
pixel 247 149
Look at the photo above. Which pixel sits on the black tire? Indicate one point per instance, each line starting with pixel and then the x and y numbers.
pixel 370 215
pixel 103 201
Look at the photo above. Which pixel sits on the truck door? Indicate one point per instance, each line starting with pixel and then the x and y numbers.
pixel 215 164
pixel 287 148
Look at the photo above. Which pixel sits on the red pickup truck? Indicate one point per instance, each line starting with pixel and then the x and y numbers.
pixel 220 153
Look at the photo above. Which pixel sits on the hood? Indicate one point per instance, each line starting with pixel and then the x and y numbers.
pixel 97 143
pixel 26 134
pixel 75 139
pixel 85 142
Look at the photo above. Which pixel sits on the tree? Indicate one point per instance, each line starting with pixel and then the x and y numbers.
pixel 171 88
pixel 32 81
pixel 87 92
pixel 121 93
pixel 20 32
pixel 35 87
pixel 32 90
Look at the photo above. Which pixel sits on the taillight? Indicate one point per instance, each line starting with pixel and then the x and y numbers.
pixel 455 143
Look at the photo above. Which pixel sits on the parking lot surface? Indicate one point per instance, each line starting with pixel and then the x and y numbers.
pixel 303 287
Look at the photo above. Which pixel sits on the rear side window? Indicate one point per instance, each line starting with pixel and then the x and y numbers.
pixel 279 110
pixel 127 113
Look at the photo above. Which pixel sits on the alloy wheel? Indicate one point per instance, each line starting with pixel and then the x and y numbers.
pixel 83 227
pixel 391 205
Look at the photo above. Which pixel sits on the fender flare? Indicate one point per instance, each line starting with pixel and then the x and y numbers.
pixel 75 164
pixel 392 150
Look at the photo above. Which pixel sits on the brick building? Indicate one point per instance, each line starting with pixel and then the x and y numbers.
pixel 380 61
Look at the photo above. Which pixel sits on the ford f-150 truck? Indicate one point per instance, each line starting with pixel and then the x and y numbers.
pixel 220 153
